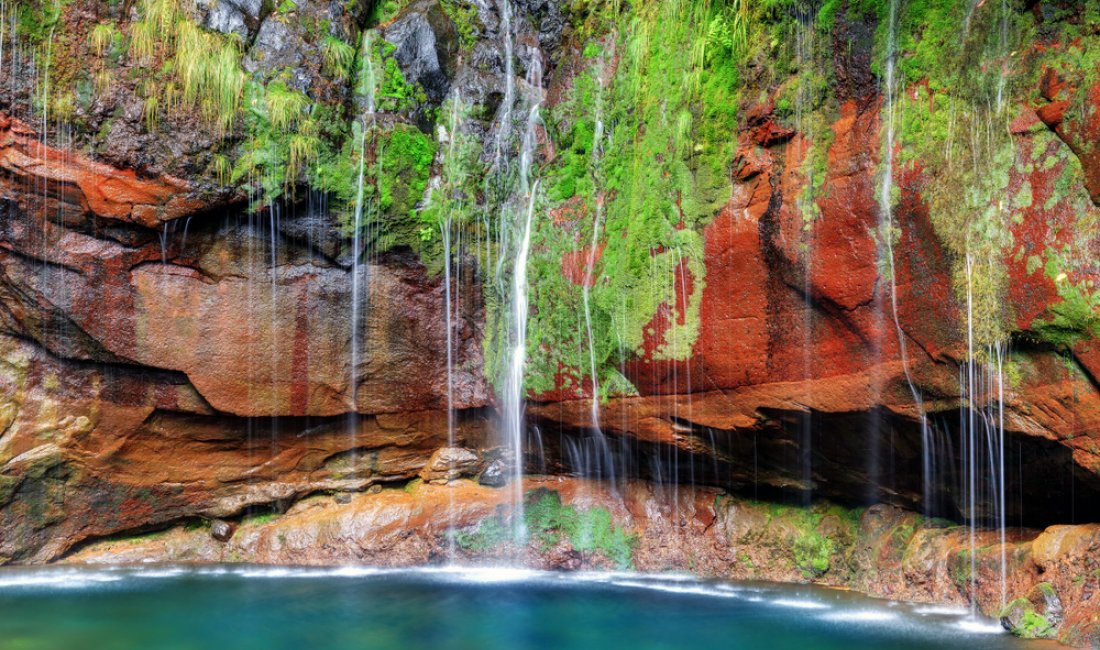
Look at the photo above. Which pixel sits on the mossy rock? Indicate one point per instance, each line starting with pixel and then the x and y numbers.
pixel 1036 616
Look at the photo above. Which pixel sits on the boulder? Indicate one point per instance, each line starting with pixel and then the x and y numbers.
pixel 449 463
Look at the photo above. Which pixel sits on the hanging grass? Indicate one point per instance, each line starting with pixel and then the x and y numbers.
pixel 284 106
pixel 205 66
pixel 102 37
pixel 339 57
pixel 208 67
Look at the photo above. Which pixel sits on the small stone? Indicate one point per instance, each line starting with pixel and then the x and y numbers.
pixel 495 475
pixel 221 530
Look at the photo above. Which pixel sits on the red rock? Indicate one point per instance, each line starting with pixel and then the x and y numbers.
pixel 82 186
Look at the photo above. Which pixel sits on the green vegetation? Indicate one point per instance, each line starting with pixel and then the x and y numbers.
pixel 647 155
pixel 644 142
pixel 260 518
pixel 489 535
pixel 961 78
pixel 648 152
pixel 947 125
pixel 547 522
pixel 587 531
pixel 1026 622
pixel 1077 316
pixel 464 15
pixel 813 548
pixel 339 57
pixel 203 69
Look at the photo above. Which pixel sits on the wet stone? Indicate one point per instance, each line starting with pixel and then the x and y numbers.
pixel 221 530
pixel 495 475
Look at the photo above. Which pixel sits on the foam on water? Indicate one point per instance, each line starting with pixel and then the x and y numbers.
pixel 940 610
pixel 58 579
pixel 699 590
pixel 799 604
pixel 861 616
pixel 979 626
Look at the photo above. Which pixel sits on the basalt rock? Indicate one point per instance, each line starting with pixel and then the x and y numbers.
pixel 426 43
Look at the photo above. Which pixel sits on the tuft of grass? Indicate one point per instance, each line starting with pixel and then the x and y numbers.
pixel 102 37
pixel 284 106
pixel 205 65
pixel 339 57
pixel 150 113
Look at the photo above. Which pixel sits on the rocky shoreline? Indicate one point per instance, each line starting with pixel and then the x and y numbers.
pixel 1052 583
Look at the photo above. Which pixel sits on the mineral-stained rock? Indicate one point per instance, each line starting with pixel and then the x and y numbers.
pixel 75 186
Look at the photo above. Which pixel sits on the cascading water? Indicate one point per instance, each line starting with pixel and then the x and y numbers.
pixel 805 58
pixel 514 421
pixel 982 439
pixel 504 119
pixel 450 303
pixel 368 87
pixel 605 463
pixel 887 230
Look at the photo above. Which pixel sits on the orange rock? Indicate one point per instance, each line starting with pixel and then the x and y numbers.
pixel 85 187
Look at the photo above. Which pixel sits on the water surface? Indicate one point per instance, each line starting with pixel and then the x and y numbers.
pixel 231 607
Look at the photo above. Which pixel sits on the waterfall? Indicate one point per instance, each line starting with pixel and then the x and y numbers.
pixel 449 299
pixel 446 228
pixel 505 130
pixel 886 234
pixel 605 461
pixel 805 56
pixel 367 87
pixel 982 425
pixel 513 399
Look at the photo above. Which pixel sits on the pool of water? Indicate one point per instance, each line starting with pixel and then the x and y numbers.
pixel 231 607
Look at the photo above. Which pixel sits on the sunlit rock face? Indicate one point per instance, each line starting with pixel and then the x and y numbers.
pixel 176 315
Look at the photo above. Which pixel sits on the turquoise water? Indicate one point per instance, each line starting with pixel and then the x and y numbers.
pixel 231 607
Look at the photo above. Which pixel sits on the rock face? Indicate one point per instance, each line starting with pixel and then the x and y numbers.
pixel 176 305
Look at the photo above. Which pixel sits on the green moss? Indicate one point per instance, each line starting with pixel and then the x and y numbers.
pixel 36 21
pixel 464 15
pixel 588 531
pixel 657 174
pixel 489 535
pixel 405 162
pixel 1026 622
pixel 547 522
pixel 260 519
pixel 1077 316
pixel 386 10
pixel 394 93
pixel 816 537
